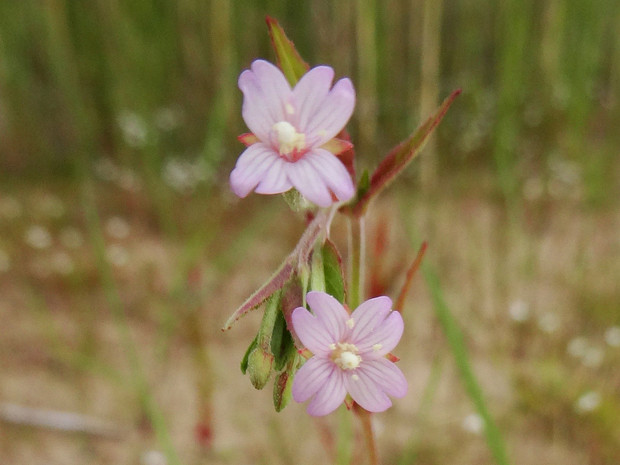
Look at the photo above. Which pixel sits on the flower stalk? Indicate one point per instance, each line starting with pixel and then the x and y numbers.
pixel 357 244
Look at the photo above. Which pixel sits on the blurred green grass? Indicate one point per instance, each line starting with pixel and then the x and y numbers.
pixel 541 81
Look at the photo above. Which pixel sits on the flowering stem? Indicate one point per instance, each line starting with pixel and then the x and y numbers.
pixel 369 435
pixel 357 245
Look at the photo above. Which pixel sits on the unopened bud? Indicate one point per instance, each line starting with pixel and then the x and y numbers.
pixel 259 367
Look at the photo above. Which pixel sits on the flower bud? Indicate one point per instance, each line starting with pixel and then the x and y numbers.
pixel 259 367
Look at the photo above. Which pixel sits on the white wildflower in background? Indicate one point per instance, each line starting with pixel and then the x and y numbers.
pixel 577 347
pixel 519 311
pixel 117 255
pixel 117 227
pixel 612 336
pixel 62 263
pixel 473 423
pixel 184 175
pixel 549 322
pixel 153 457
pixel 134 129
pixel 38 237
pixel 588 402
pixel 168 118
pixel 593 357
pixel 589 355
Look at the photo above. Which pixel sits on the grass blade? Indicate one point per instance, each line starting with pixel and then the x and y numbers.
pixel 457 346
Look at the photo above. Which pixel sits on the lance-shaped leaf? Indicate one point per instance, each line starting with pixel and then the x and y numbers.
pixel 289 60
pixel 398 159
pixel 275 283
pixel 295 262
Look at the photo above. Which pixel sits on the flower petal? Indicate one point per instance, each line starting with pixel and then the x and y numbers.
pixel 275 180
pixel 369 316
pixel 311 332
pixel 333 173
pixel 305 178
pixel 329 396
pixel 367 391
pixel 383 339
pixel 330 313
pixel 311 377
pixel 265 93
pixel 252 166
pixel 333 113
pixel 386 375
pixel 310 92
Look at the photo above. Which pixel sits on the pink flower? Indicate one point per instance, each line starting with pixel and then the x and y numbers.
pixel 290 126
pixel 349 354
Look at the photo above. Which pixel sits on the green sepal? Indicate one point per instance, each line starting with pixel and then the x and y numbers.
pixel 334 275
pixel 282 390
pixel 244 361
pixel 281 343
pixel 283 384
pixel 289 60
pixel 295 200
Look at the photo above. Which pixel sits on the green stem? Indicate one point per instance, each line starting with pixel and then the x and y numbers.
pixel 369 435
pixel 357 245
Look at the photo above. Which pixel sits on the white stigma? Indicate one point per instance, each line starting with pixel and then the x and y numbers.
pixel 288 138
pixel 348 360
pixel 345 356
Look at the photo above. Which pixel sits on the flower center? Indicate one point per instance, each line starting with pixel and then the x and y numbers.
pixel 291 144
pixel 345 356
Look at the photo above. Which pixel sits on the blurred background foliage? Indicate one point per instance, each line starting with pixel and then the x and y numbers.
pixel 139 80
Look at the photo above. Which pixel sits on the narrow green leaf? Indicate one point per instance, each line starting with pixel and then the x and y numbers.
pixel 454 336
pixel 274 284
pixel 398 159
pixel 289 60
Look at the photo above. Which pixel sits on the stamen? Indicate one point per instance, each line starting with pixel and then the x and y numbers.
pixel 350 323
pixel 377 347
